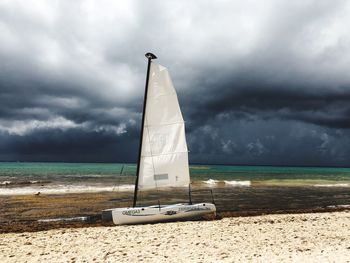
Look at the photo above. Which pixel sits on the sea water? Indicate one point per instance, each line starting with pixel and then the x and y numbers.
pixel 18 178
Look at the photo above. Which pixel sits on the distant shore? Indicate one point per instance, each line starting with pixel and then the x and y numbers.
pixel 316 237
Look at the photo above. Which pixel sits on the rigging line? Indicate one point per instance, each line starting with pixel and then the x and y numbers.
pixel 119 178
pixel 139 198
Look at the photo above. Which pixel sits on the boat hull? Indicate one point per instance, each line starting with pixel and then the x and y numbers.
pixel 155 214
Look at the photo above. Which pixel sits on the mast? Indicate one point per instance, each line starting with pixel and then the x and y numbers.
pixel 149 56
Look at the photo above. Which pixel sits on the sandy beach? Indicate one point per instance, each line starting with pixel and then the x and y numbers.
pixel 314 237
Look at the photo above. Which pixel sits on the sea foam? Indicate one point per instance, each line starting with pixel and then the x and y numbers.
pixel 332 185
pixel 211 182
pixel 238 183
pixel 63 189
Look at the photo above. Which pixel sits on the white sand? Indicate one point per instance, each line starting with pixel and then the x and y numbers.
pixel 322 237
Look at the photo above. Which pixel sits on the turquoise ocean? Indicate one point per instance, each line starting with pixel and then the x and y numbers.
pixel 18 178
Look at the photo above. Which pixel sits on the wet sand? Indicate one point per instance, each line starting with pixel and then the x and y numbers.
pixel 317 237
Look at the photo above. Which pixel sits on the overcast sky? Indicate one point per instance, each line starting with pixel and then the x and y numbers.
pixel 259 82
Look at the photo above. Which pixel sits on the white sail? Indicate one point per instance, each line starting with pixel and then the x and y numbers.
pixel 164 154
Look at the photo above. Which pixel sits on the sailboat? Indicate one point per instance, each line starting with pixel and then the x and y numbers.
pixel 163 154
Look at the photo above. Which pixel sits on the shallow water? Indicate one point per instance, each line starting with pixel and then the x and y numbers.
pixel 50 191
pixel 59 178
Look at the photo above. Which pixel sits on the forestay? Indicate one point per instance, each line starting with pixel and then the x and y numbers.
pixel 164 154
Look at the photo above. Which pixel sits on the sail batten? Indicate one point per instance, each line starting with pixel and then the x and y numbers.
pixel 164 153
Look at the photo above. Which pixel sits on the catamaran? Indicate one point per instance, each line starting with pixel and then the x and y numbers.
pixel 163 154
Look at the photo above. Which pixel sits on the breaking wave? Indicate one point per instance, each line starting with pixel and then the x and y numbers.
pixel 211 182
pixel 238 183
pixel 63 189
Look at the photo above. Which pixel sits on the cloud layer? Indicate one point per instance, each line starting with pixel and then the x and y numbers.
pixel 259 83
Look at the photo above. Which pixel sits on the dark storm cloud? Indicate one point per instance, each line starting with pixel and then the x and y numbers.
pixel 257 81
pixel 269 142
pixel 287 101
pixel 69 145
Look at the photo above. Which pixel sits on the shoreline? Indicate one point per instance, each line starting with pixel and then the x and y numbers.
pixel 36 226
pixel 307 237
pixel 21 213
pixel 92 221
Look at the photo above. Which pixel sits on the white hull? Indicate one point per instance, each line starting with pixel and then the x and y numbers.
pixel 155 214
